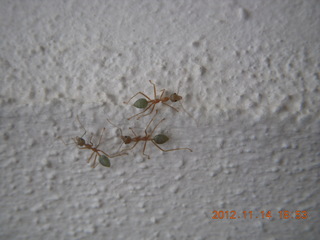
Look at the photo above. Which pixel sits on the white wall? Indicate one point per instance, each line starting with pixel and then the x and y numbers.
pixel 249 74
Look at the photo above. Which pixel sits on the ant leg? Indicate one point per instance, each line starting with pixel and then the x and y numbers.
pixel 85 131
pixel 129 148
pixel 147 113
pixel 118 154
pixel 112 156
pixel 144 148
pixel 60 138
pixel 141 93
pixel 133 132
pixel 150 122
pixel 90 157
pixel 157 126
pixel 93 165
pixel 169 150
pixel 120 147
pixel 163 90
pixel 154 89
pixel 100 137
pixel 90 141
pixel 141 112
pixel 170 106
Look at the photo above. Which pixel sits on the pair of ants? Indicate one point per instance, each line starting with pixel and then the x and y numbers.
pixel 144 103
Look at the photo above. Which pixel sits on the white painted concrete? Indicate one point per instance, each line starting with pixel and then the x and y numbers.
pixel 249 75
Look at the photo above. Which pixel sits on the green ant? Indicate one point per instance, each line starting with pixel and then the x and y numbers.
pixel 158 139
pixel 143 103
pixel 81 144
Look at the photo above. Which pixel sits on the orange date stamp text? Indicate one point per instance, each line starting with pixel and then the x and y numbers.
pixel 284 214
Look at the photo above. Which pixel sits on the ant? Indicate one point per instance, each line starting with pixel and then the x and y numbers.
pixel 143 103
pixel 158 139
pixel 82 144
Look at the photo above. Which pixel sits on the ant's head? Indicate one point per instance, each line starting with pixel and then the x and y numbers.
pixel 175 97
pixel 126 139
pixel 79 141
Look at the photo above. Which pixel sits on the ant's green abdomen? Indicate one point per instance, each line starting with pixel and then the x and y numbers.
pixel 160 139
pixel 104 161
pixel 141 103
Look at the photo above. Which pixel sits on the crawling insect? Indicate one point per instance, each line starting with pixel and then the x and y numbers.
pixel 158 139
pixel 103 156
pixel 143 103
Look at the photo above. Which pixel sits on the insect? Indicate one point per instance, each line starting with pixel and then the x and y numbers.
pixel 158 139
pixel 82 144
pixel 144 102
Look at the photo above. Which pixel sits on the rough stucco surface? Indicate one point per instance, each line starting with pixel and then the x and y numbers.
pixel 248 72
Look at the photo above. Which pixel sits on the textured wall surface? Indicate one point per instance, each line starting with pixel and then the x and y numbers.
pixel 248 72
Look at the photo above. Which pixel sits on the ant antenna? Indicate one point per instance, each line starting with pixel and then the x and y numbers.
pixel 189 114
pixel 179 85
pixel 115 126
pixel 85 131
pixel 120 132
